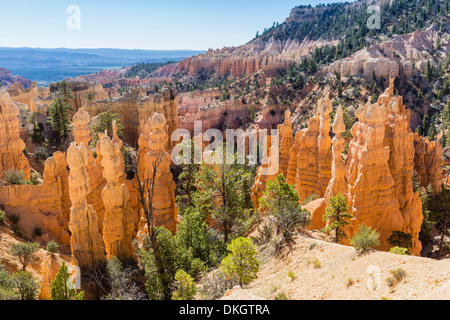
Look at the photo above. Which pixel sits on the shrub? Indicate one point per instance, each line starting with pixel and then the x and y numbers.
pixel 316 264
pixel 41 153
pixel 399 250
pixel 312 245
pixel 400 239
pixel 281 296
pixel 309 199
pixel 15 177
pixel 281 200
pixel 2 216
pixel 185 287
pixel 53 247
pixel 37 232
pixel 26 285
pixel 365 238
pixel 265 234
pixel 7 291
pixel 241 263
pixel 35 178
pixel 215 284
pixel 397 276
pixel 292 275
pixel 15 218
pixel 120 280
pixel 350 282
pixel 26 252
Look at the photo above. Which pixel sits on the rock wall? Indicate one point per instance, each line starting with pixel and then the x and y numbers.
pixel 428 162
pixel 312 162
pixel 165 210
pixel 135 108
pixel 118 224
pixel 376 176
pixel 11 146
pixel 45 206
pixel 86 241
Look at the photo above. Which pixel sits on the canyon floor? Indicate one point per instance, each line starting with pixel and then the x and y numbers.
pixel 318 270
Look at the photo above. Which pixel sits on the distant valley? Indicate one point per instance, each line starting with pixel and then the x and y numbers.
pixel 51 65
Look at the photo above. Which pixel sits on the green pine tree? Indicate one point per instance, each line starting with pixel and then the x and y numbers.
pixel 62 289
pixel 337 215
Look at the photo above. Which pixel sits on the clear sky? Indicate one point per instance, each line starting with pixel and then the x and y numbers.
pixel 140 24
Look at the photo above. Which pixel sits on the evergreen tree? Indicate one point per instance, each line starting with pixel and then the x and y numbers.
pixel 242 263
pixel 62 288
pixel 337 215
pixel 59 118
pixel 365 238
pixel 185 287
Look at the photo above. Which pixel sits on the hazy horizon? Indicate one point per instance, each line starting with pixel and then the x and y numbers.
pixel 141 25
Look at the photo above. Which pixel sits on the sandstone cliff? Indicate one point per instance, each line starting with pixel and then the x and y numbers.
pixel 11 146
pixel 165 210
pixel 118 224
pixel 135 108
pixel 86 241
pixel 45 206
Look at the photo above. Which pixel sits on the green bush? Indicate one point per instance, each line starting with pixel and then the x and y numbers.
pixel 61 288
pixel 2 216
pixel 26 252
pixel 15 177
pixel 35 178
pixel 52 247
pixel 26 285
pixel 37 232
pixel 397 276
pixel 365 238
pixel 41 153
pixel 242 263
pixel 399 250
pixel 185 287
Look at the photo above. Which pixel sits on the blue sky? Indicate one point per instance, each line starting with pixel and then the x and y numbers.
pixel 140 24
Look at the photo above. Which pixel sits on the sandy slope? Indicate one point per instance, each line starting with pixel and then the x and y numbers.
pixel 340 273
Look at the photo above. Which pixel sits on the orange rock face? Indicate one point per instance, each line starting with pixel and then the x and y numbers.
pixel 376 175
pixel 11 146
pixel 428 162
pixel 118 224
pixel 135 108
pixel 81 131
pixel 312 162
pixel 337 183
pixel 49 268
pixel 86 241
pixel 45 206
pixel 379 170
pixel 165 212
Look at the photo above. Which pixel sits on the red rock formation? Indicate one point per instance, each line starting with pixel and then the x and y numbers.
pixel 135 108
pixel 337 183
pixel 45 206
pixel 81 131
pixel 428 162
pixel 379 170
pixel 11 146
pixel 118 224
pixel 8 79
pixel 86 241
pixel 313 159
pixel 49 269
pixel 165 212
